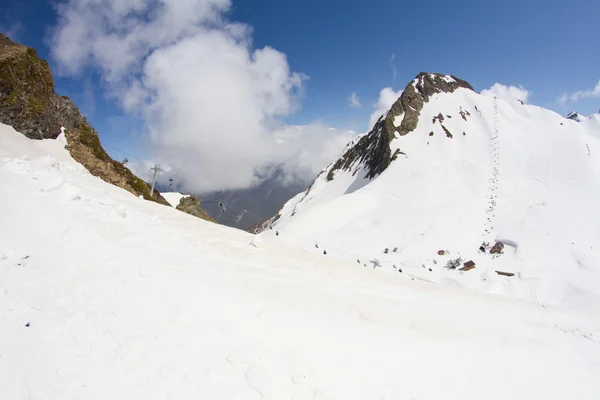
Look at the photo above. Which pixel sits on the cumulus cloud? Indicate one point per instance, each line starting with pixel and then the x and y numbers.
pixel 507 92
pixel 354 101
pixel 212 103
pixel 580 95
pixel 387 97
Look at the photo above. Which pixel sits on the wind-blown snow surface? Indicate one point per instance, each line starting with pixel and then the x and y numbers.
pixel 535 186
pixel 107 296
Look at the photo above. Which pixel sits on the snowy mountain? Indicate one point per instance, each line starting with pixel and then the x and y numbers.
pixel 575 116
pixel 104 295
pixel 447 170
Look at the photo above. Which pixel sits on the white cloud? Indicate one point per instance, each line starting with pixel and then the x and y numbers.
pixel 393 66
pixel 143 169
pixel 211 102
pixel 387 97
pixel 580 95
pixel 304 151
pixel 507 92
pixel 354 101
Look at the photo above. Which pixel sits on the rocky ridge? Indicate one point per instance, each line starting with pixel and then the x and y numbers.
pixel 29 103
pixel 191 205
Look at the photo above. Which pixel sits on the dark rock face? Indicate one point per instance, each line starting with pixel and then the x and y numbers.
pixel 448 134
pixel 464 113
pixel 438 117
pixel 574 115
pixel 417 93
pixel 373 149
pixel 191 205
pixel 29 104
pixel 27 97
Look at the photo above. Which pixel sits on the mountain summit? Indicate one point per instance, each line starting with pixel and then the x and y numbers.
pixel 445 175
pixel 373 149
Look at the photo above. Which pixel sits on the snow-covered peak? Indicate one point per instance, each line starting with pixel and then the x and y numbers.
pixel 575 116
pixel 369 154
pixel 426 84
pixel 468 169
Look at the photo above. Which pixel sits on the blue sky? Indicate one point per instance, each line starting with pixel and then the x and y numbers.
pixel 550 48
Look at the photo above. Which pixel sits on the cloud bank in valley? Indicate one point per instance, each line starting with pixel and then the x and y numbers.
pixel 213 104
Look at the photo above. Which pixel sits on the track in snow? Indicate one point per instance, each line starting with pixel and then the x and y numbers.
pixel 492 195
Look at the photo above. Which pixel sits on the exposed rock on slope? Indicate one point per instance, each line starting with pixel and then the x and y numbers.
pixel 27 95
pixel 191 205
pixel 373 149
pixel 574 115
pixel 29 103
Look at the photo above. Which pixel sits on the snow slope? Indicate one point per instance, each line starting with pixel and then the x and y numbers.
pixel 173 197
pixel 510 172
pixel 107 296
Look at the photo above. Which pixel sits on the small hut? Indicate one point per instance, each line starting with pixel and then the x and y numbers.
pixel 498 248
pixel 469 265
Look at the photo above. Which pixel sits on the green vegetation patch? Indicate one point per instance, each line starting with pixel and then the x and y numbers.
pixel 92 141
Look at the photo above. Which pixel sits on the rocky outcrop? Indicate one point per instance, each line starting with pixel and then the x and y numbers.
pixel 373 149
pixel 415 95
pixel 27 98
pixel 574 115
pixel 191 205
pixel 29 103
